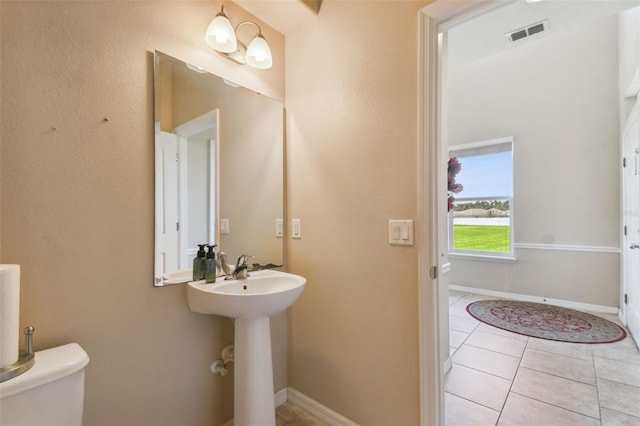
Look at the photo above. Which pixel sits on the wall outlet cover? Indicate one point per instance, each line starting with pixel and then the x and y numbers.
pixel 224 226
pixel 296 228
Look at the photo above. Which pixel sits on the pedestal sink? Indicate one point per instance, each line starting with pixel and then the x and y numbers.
pixel 250 302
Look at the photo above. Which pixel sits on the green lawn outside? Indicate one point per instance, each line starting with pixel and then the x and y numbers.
pixel 481 238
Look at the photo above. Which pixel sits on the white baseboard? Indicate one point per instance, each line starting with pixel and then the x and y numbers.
pixel 527 298
pixel 313 407
pixel 318 410
pixel 281 397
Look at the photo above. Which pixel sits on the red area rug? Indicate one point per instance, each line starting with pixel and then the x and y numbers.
pixel 546 321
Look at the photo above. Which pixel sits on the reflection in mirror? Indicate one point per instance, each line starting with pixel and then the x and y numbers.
pixel 218 159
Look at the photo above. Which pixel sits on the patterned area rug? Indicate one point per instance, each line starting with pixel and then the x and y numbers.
pixel 546 321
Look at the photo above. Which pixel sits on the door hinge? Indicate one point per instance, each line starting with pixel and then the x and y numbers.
pixel 624 162
pixel 626 299
pixel 625 230
pixel 177 226
pixel 433 273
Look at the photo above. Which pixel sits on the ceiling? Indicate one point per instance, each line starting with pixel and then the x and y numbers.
pixel 486 34
pixel 476 38
pixel 281 15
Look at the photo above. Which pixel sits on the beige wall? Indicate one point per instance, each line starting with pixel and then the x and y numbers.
pixel 352 146
pixel 629 60
pixel 563 115
pixel 77 202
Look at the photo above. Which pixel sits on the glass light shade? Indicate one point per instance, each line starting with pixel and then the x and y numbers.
pixel 220 35
pixel 259 54
pixel 196 68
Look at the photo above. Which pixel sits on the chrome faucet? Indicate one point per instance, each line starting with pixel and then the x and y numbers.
pixel 241 270
pixel 223 266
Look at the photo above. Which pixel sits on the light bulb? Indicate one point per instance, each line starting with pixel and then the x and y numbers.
pixel 259 54
pixel 220 34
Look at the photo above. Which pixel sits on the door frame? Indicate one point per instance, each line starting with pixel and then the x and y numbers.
pixel 634 116
pixel 206 121
pixel 433 312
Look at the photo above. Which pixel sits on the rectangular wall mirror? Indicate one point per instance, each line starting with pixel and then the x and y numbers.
pixel 219 170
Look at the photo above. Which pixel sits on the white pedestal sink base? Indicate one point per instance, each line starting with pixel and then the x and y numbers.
pixel 253 383
pixel 251 302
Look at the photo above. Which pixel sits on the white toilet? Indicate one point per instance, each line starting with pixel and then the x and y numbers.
pixel 51 393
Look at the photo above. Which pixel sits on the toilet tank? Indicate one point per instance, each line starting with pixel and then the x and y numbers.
pixel 51 393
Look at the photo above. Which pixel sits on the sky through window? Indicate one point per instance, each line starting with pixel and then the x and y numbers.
pixel 486 175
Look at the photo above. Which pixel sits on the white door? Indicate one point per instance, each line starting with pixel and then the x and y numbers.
pixel 631 248
pixel 167 192
pixel 197 222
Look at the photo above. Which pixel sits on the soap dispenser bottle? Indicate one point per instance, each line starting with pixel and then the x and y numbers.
pixel 199 264
pixel 210 268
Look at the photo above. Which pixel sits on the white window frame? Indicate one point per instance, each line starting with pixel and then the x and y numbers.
pixel 477 254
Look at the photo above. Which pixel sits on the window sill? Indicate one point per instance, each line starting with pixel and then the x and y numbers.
pixel 482 257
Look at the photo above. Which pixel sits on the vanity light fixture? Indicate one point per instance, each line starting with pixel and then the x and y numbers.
pixel 222 37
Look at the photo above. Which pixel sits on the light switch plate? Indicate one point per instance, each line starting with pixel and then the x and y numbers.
pixel 279 228
pixel 401 232
pixel 296 228
pixel 224 226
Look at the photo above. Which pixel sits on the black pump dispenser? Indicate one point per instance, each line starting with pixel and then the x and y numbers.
pixel 210 270
pixel 199 264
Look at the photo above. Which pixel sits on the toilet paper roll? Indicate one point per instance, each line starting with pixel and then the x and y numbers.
pixel 9 314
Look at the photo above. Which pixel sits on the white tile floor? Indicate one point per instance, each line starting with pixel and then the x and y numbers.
pixel 503 378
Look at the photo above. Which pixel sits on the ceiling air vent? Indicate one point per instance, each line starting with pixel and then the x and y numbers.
pixel 528 31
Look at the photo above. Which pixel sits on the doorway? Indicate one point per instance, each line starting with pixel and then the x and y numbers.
pixel 436 21
pixel 198 164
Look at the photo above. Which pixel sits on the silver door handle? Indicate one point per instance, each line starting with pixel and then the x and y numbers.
pixel 634 246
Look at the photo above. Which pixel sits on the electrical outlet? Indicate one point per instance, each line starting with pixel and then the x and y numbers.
pixel 279 228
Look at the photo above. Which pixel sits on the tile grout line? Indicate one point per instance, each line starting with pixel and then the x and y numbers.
pixel 498 352
pixel 484 372
pixel 490 350
pixel 512 382
pixel 501 353
pixel 464 340
pixel 554 405
pixel 562 355
pixel 560 377
pixel 472 401
pixel 600 407
pixel 595 375
pixel 546 402
pixel 492 331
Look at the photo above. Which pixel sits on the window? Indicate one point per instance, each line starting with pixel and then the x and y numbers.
pixel 480 216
